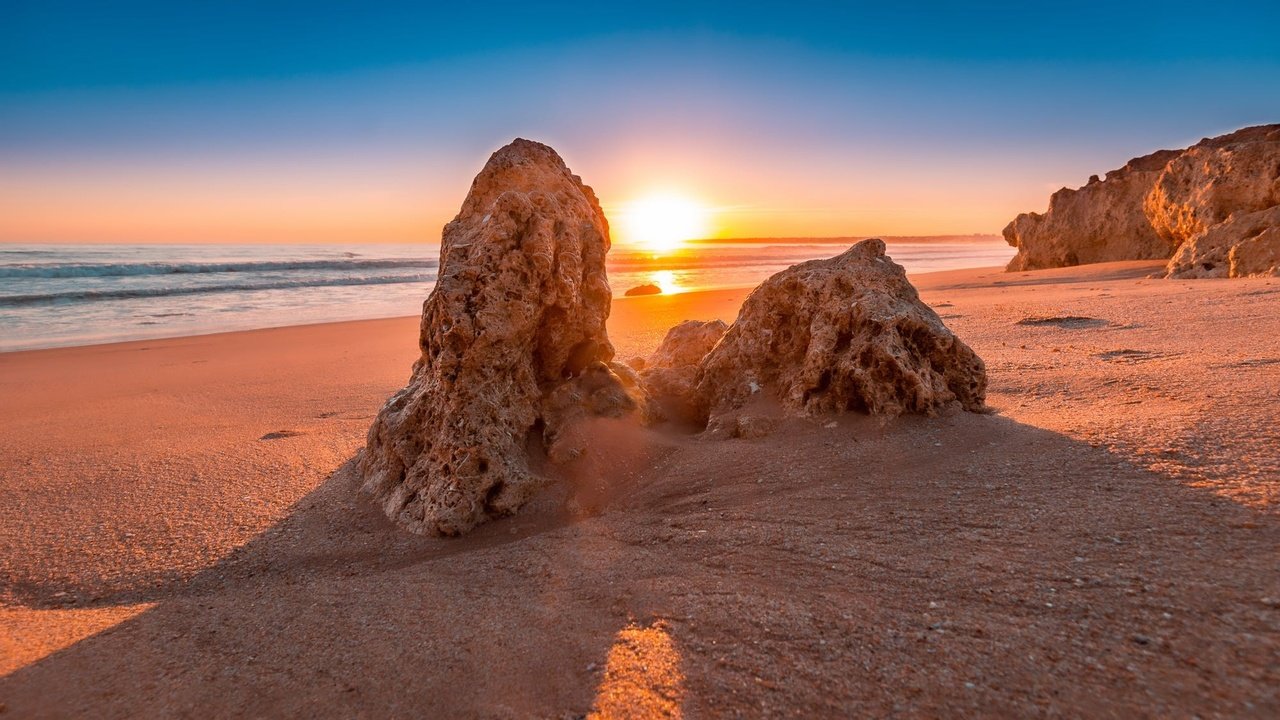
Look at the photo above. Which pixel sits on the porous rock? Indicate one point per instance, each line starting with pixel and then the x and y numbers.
pixel 847 333
pixel 1247 244
pixel 1236 173
pixel 514 349
pixel 670 374
pixel 687 343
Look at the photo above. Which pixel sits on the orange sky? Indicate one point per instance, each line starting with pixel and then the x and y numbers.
pixel 198 199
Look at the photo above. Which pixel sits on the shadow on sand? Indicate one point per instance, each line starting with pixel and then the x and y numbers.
pixel 965 564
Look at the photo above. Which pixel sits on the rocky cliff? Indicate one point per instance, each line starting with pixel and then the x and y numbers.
pixel 1168 204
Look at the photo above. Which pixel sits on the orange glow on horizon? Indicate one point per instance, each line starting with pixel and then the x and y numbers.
pixel 662 222
pixel 342 199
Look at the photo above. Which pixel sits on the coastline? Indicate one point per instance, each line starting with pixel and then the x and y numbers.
pixel 57 296
pixel 185 532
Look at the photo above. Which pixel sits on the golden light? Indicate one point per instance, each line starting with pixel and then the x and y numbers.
pixel 642 676
pixel 666 280
pixel 662 222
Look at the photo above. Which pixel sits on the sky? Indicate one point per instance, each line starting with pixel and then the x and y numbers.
pixel 365 122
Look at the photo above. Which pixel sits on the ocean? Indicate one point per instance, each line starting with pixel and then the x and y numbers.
pixel 61 295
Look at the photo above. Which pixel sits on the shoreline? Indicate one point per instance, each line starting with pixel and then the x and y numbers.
pixel 693 297
pixel 81 296
pixel 683 299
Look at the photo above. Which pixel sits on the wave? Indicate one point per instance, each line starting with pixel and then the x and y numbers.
pixel 132 293
pixel 74 270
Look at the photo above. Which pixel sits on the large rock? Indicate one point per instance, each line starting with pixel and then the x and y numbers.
pixel 844 334
pixel 1155 205
pixel 513 345
pixel 1236 173
pixel 1100 222
pixel 670 374
pixel 1247 244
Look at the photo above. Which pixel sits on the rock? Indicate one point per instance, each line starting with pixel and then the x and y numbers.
pixel 1257 256
pixel 670 374
pixel 1100 222
pixel 846 333
pixel 514 349
pixel 1236 173
pixel 1247 244
pixel 687 343
pixel 1156 204
pixel 646 289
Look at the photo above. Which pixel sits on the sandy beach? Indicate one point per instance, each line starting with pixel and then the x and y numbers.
pixel 182 535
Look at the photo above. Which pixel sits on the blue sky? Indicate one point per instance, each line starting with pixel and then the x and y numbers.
pixel 367 120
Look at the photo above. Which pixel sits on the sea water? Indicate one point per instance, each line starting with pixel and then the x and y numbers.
pixel 59 295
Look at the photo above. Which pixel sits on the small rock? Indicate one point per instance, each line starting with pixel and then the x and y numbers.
pixel 645 289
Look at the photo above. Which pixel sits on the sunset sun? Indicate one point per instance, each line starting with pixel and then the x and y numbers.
pixel 662 222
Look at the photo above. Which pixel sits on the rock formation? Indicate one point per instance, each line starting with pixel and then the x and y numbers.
pixel 846 333
pixel 1095 223
pixel 1163 205
pixel 1247 244
pixel 514 349
pixel 1213 179
pixel 1218 200
pixel 670 374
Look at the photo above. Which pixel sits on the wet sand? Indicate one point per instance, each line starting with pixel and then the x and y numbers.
pixel 182 535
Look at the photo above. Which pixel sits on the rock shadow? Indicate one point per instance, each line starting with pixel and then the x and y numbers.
pixel 962 563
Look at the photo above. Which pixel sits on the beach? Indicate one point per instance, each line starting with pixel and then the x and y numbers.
pixel 183 535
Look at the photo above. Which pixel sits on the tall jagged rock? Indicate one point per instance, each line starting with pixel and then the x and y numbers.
pixel 513 348
pixel 1158 205
pixel 845 333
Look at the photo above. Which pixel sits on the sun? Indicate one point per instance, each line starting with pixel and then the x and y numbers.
pixel 662 222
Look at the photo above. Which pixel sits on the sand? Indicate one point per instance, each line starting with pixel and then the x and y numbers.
pixel 182 536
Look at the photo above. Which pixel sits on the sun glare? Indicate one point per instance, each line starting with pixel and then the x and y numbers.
pixel 662 223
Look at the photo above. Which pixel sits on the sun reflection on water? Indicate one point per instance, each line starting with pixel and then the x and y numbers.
pixel 667 280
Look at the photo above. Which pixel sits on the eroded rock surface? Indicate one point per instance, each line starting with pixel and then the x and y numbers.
pixel 846 333
pixel 1158 205
pixel 1247 244
pixel 513 345
pixel 670 374
pixel 1100 222
pixel 1210 181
